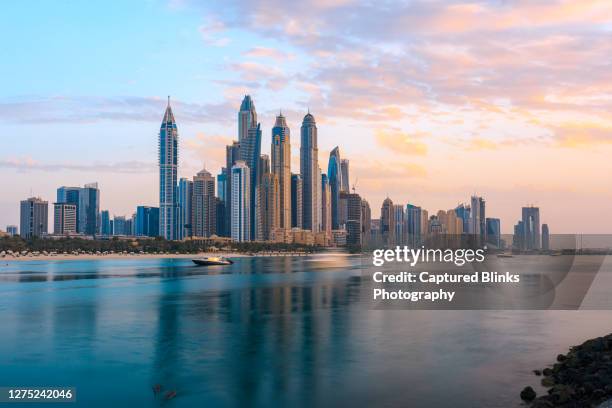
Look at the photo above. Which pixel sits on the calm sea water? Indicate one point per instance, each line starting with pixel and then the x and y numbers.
pixel 262 332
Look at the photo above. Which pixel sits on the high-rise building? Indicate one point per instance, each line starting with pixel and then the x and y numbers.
pixel 296 201
pixel 168 176
pixel 12 230
pixel 353 222
pixel 88 210
pixel 204 207
pixel 531 228
pixel 247 118
pixel 34 218
pixel 326 210
pixel 463 213
pixel 413 225
pixel 250 151
pixel 476 216
pixel 120 225
pixel 241 200
pixel 334 174
pixel 185 202
pixel 70 195
pixel 232 155
pixel 309 168
pixel 494 231
pixel 64 218
pixel 105 223
pixel 399 222
pixel 281 166
pixel 545 237
pixel 221 202
pixel 269 204
pixel 387 221
pixel 366 222
pixel 146 223
pixel 344 168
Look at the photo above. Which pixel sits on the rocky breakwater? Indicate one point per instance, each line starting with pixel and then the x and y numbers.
pixel 580 378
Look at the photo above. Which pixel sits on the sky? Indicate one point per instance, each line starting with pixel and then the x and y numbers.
pixel 431 101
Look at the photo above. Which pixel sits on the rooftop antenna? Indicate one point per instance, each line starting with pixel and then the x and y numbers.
pixel 168 100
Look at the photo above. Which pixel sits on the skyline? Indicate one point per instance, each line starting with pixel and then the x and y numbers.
pixel 102 126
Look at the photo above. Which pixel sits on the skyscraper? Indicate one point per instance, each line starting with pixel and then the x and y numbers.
pixel 64 218
pixel 353 221
pixel 105 223
pixel 334 174
pixel 204 209
pixel 309 168
pixel 232 155
pixel 185 201
pixel 531 228
pixel 326 210
pixel 249 133
pixel 476 216
pixel 296 201
pixel 34 218
pixel 247 117
pixel 387 218
pixel 366 223
pixel 88 210
pixel 12 230
pixel 168 176
pixel 494 231
pixel 70 195
pixel 545 237
pixel 399 221
pixel 269 204
pixel 241 208
pixel 147 221
pixel 413 224
pixel 281 166
pixel 344 168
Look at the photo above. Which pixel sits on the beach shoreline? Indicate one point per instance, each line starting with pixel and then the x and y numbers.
pixel 117 256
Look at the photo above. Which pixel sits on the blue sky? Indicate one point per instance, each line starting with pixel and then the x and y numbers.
pixel 430 100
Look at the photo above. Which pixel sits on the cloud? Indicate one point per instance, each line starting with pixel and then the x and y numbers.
pixel 27 164
pixel 88 109
pixel 400 142
pixel 266 52
pixel 209 31
pixel 572 135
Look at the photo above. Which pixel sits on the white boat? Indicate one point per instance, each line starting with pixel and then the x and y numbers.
pixel 212 260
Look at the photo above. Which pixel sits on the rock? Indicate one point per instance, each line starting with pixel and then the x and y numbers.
pixel 561 358
pixel 537 372
pixel 548 382
pixel 528 394
pixel 547 372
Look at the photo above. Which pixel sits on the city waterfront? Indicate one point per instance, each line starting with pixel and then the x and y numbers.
pixel 265 331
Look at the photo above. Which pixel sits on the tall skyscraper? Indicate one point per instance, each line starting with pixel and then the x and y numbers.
pixel 185 201
pixel 387 218
pixel 270 207
pixel 64 218
pixel 146 223
pixel 168 176
pixel 494 231
pixel 463 212
pixel 334 173
pixel 366 222
pixel 120 225
pixel 70 195
pixel 34 218
pixel 204 209
pixel 545 237
pixel 249 133
pixel 413 224
pixel 89 210
pixel 344 168
pixel 105 223
pixel 531 228
pixel 281 166
pixel 296 201
pixel 247 117
pixel 241 202
pixel 326 210
pixel 232 155
pixel 476 216
pixel 399 221
pixel 309 168
pixel 353 221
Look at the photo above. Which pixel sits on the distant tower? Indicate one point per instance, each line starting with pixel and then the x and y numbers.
pixel 531 228
pixel 281 166
pixel 247 117
pixel 344 168
pixel 334 173
pixel 241 199
pixel 64 218
pixel 168 176
pixel 309 168
pixel 545 237
pixel 185 201
pixel 296 201
pixel 249 133
pixel 326 207
pixel 387 218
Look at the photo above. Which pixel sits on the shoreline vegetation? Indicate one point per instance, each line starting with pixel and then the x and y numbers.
pixel 16 248
pixel 580 378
